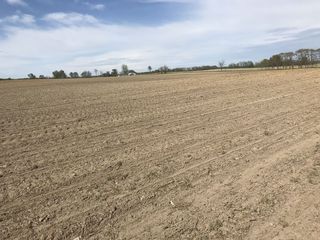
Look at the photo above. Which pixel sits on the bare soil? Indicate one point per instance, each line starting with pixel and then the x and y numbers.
pixel 209 155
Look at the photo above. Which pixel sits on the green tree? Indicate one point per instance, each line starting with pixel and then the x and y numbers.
pixel 114 72
pixel 164 69
pixel 59 74
pixel 74 75
pixel 264 63
pixel 106 74
pixel 86 74
pixel 276 61
pixel 31 76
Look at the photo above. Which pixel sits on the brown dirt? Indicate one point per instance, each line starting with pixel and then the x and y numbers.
pixel 233 155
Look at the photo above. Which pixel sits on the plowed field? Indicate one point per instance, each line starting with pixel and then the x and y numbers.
pixel 209 155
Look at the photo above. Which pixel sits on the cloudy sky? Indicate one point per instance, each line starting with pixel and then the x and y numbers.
pixel 40 36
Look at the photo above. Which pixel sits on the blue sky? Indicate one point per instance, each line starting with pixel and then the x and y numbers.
pixel 40 36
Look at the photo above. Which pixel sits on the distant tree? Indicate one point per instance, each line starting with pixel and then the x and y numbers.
pixel 247 64
pixel 114 72
pixel 96 71
pixel 199 68
pixel 287 59
pixel 149 68
pixel 303 57
pixel 106 74
pixel 232 65
pixel 74 75
pixel 221 64
pixel 42 77
pixel 304 61
pixel 59 74
pixel 313 56
pixel 164 69
pixel 55 74
pixel 86 74
pixel 31 76
pixel 124 69
pixel 276 61
pixel 263 64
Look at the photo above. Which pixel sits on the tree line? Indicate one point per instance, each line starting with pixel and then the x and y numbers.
pixel 85 74
pixel 60 74
pixel 300 58
pixel 165 69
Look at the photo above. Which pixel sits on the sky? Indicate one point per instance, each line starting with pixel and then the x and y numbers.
pixel 40 36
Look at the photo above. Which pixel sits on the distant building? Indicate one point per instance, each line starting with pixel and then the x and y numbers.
pixel 132 73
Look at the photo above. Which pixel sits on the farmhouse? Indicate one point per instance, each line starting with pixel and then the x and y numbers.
pixel 132 73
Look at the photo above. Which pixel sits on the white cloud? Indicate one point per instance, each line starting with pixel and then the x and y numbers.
pixel 18 19
pixel 17 2
pixel 98 7
pixel 217 30
pixel 260 15
pixel 70 18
